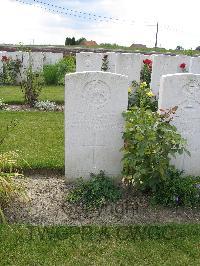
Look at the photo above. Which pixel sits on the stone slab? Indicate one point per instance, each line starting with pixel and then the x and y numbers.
pixel 183 90
pixel 94 102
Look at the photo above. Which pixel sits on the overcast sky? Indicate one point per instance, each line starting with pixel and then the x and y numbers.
pixel 178 22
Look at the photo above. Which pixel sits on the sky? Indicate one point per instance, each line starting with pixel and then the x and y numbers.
pixel 136 22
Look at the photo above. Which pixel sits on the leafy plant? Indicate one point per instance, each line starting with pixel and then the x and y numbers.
pixel 140 95
pixel 178 190
pixel 65 65
pixel 11 68
pixel 145 74
pixel 150 141
pixel 95 192
pixel 50 73
pixel 105 63
pixel 32 86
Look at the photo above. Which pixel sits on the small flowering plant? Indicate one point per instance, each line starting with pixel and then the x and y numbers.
pixel 11 68
pixel 142 97
pixel 146 71
pixel 182 67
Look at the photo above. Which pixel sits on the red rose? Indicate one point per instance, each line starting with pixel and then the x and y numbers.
pixel 4 58
pixel 183 66
pixel 147 62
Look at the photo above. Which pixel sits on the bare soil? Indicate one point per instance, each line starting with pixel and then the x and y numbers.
pixel 47 205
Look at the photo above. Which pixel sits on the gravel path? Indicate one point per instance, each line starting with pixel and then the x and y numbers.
pixel 47 206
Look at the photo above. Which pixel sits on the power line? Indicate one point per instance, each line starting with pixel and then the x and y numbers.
pixel 88 16
pixel 75 13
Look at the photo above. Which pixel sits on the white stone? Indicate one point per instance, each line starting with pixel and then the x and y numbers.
pixel 88 61
pixel 166 64
pixel 111 61
pixel 36 61
pixel 183 90
pixel 25 65
pixel 195 65
pixel 129 64
pixel 94 102
pixel 52 58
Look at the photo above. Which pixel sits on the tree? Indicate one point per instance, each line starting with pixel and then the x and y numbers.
pixel 73 41
pixel 179 48
pixel 79 41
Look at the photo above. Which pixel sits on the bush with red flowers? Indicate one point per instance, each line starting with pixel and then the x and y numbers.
pixel 145 74
pixel 11 68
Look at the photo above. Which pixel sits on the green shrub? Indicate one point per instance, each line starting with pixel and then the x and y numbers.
pixel 95 192
pixel 65 65
pixel 55 74
pixel 50 74
pixel 11 68
pixel 140 95
pixel 32 86
pixel 150 140
pixel 178 190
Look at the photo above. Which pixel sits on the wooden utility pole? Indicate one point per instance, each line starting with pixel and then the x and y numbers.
pixel 156 43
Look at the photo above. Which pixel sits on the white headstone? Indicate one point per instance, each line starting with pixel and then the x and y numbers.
pixel 56 57
pixel 88 61
pixel 183 90
pixel 51 58
pixel 111 61
pixel 25 65
pixel 36 61
pixel 167 64
pixel 195 65
pixel 94 102
pixel 47 58
pixel 129 64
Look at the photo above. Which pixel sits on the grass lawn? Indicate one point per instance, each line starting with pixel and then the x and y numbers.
pixel 13 94
pixel 117 245
pixel 39 137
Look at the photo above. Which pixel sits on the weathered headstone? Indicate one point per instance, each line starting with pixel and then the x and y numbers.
pixel 25 65
pixel 167 64
pixel 50 58
pixel 111 61
pixel 183 90
pixel 36 61
pixel 88 61
pixel 195 65
pixel 94 102
pixel 129 64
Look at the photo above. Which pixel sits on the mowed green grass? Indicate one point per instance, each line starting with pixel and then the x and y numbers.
pixel 14 95
pixel 92 245
pixel 38 136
